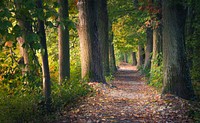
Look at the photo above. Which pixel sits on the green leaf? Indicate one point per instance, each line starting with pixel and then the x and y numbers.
pixel 49 24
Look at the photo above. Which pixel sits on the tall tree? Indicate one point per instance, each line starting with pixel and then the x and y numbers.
pixel 140 53
pixel 157 47
pixel 134 60
pixel 24 20
pixel 89 42
pixel 176 73
pixel 157 37
pixel 63 41
pixel 103 34
pixel 149 48
pixel 112 63
pixel 45 63
pixel 190 31
pixel 125 57
pixel 27 39
pixel 149 33
pixel 192 42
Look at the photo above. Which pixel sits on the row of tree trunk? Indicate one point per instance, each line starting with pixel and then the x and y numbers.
pixel 168 38
pixel 96 47
pixel 26 44
pixel 97 51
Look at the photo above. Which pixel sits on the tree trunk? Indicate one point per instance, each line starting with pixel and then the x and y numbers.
pixel 157 41
pixel 192 43
pixel 45 63
pixel 89 43
pixel 103 34
pixel 140 56
pixel 149 48
pixel 85 43
pixel 63 41
pixel 23 53
pixel 112 65
pixel 176 73
pixel 189 34
pixel 140 47
pixel 125 58
pixel 26 28
pixel 134 60
pixel 29 61
pixel 157 46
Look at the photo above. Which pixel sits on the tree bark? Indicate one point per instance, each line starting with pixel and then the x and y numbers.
pixel 140 56
pixel 157 46
pixel 45 63
pixel 112 62
pixel 125 58
pixel 176 73
pixel 103 34
pixel 63 41
pixel 190 33
pixel 24 54
pixel 192 43
pixel 134 59
pixel 89 43
pixel 30 63
pixel 157 41
pixel 26 27
pixel 149 48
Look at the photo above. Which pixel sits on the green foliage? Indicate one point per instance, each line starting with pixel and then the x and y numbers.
pixel 26 106
pixel 109 78
pixel 156 73
pixel 68 93
pixel 52 45
pixel 126 33
pixel 128 26
pixel 195 114
pixel 196 86
pixel 145 71
pixel 193 44
pixel 10 72
pixel 21 97
pixel 18 108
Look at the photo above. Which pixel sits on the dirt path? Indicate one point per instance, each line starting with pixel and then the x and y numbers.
pixel 131 102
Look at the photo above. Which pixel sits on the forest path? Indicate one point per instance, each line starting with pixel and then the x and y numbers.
pixel 132 101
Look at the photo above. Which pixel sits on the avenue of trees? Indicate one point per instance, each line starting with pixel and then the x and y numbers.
pixel 50 50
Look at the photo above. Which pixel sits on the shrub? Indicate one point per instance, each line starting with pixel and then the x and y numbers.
pixel 18 108
pixel 156 73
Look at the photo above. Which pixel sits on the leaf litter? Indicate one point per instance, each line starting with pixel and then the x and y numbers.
pixel 132 101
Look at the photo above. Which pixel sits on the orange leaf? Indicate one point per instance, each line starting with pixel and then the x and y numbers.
pixel 9 44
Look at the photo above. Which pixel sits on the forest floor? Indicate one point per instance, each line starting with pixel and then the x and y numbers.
pixel 131 101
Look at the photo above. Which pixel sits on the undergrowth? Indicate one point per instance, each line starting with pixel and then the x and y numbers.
pixel 24 103
pixel 26 106
pixel 155 74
